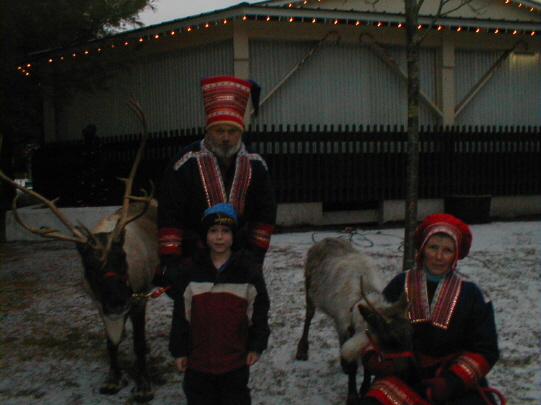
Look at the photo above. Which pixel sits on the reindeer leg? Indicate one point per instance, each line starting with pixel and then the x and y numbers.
pixel 349 367
pixel 143 391
pixel 365 385
pixel 113 382
pixel 302 347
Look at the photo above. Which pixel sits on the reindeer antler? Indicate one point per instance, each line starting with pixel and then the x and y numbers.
pixel 372 307
pixel 44 231
pixel 125 218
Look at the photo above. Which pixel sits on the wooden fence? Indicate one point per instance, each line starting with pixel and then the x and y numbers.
pixel 343 167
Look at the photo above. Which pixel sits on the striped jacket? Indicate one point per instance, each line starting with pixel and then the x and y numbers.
pixel 219 317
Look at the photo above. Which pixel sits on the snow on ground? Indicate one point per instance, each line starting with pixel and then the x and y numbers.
pixel 53 344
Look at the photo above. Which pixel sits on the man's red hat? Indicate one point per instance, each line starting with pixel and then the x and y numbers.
pixel 225 99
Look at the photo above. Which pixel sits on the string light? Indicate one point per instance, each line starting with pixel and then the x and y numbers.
pixel 293 19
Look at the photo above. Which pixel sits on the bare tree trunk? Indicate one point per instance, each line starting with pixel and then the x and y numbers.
pixel 412 171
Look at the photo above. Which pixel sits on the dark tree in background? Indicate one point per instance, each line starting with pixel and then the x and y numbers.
pixel 414 38
pixel 30 29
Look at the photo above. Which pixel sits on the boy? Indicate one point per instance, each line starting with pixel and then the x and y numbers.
pixel 220 317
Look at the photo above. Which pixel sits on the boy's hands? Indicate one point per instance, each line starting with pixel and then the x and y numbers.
pixel 252 358
pixel 181 363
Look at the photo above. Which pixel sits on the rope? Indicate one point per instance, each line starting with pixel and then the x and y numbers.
pixel 151 296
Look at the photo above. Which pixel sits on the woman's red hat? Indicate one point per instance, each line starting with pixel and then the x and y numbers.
pixel 458 230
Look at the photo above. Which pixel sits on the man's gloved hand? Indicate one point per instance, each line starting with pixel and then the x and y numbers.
pixel 165 272
pixel 374 365
pixel 159 278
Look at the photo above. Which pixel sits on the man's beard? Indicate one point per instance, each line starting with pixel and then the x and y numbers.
pixel 226 151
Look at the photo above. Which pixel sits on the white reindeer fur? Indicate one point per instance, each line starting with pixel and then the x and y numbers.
pixel 141 247
pixel 335 288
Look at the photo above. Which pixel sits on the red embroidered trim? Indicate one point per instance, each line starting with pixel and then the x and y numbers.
pixel 393 391
pixel 213 183
pixel 261 235
pixel 169 241
pixel 241 182
pixel 470 367
pixel 211 179
pixel 444 301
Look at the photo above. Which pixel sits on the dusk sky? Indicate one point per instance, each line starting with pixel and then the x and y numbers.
pixel 168 10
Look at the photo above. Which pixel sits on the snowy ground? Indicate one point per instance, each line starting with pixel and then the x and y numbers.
pixel 52 341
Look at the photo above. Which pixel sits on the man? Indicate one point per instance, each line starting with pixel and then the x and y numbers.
pixel 217 169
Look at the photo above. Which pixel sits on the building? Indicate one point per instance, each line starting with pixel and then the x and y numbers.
pixel 320 63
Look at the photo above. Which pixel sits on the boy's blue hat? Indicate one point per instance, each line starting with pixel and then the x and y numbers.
pixel 219 214
pixel 221 208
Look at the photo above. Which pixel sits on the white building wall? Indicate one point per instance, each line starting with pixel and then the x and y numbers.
pixel 167 87
pixel 343 84
pixel 337 85
pixel 504 98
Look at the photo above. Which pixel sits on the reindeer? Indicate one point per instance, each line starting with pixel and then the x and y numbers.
pixel 119 256
pixel 346 285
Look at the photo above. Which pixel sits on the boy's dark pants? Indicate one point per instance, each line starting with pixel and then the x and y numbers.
pixel 217 389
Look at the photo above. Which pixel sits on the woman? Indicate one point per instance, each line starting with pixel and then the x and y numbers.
pixel 454 332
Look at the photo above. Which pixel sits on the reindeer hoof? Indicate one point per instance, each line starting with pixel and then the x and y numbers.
pixel 353 400
pixel 113 384
pixel 144 393
pixel 110 388
pixel 301 356
pixel 302 350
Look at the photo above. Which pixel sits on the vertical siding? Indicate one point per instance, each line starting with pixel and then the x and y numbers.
pixel 337 85
pixel 510 97
pixel 166 86
pixel 427 77
pixel 344 84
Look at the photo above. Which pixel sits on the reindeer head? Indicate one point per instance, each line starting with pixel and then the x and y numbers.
pixel 389 325
pixel 106 273
pixel 102 253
